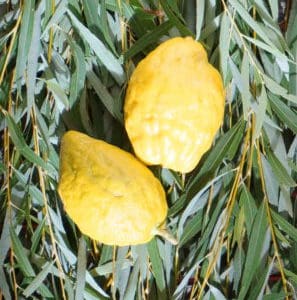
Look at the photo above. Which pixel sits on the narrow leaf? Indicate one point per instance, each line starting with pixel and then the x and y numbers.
pixel 112 64
pixel 21 256
pixel 288 228
pixel 192 228
pixel 79 74
pixel 229 141
pixel 279 170
pixel 37 281
pixel 21 145
pixel 24 39
pixel 175 20
pixel 148 39
pixel 4 288
pixel 104 96
pixel 81 269
pixel 250 21
pixel 157 266
pixel 260 113
pixel 286 115
pixel 253 256
pixel 33 57
pixel 224 44
pixel 200 10
pixel 58 93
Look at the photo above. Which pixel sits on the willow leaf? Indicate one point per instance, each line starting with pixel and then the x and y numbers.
pixel 37 282
pixel 20 253
pixel 226 143
pixel 24 40
pixel 81 269
pixel 286 115
pixel 175 19
pixel 21 146
pixel 111 63
pixel 253 256
pixel 148 39
pixel 288 228
pixel 157 266
pixel 79 74
pixel 280 171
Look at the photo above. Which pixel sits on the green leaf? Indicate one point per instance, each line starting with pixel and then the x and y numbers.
pixel 78 76
pixel 37 235
pixel 270 49
pixel 148 39
pixel 242 84
pixel 34 51
pixel 21 256
pixel 5 242
pixel 255 247
pixel 279 170
pixel 21 145
pixel 157 266
pixel 286 115
pixel 291 275
pixel 238 263
pixel 275 296
pixel 24 40
pixel 251 22
pixel 178 205
pixel 4 285
pixel 245 76
pixel 191 229
pixel 288 228
pixel 81 269
pixel 58 15
pixel 133 282
pixel 224 44
pixel 104 25
pixel 174 19
pixel 260 113
pixel 37 281
pixel 277 89
pixel 108 268
pixel 261 281
pixel 250 208
pixel 229 142
pixel 90 8
pixel 106 254
pixel 105 97
pixel 200 10
pixel 58 93
pixel 111 63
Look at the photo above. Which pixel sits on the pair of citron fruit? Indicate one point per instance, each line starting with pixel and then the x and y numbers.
pixel 173 108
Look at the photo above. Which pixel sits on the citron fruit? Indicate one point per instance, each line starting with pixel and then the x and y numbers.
pixel 111 196
pixel 174 105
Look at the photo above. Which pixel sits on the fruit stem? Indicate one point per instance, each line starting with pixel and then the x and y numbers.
pixel 164 233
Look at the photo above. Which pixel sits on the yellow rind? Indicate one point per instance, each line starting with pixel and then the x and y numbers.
pixel 174 105
pixel 108 193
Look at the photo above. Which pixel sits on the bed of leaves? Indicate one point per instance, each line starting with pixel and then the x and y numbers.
pixel 65 65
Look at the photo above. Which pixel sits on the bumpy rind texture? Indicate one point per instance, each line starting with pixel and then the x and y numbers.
pixel 174 105
pixel 108 193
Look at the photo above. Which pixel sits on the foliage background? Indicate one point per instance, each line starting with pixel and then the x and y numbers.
pixel 65 65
